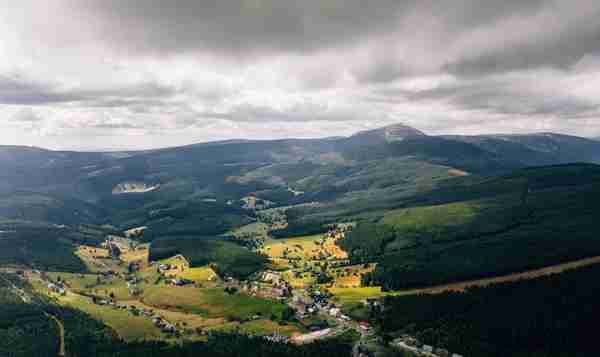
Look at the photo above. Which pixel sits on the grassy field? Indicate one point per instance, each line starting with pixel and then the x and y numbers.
pixel 140 253
pixel 298 282
pixel 523 221
pixel 350 276
pixel 209 302
pixel 127 326
pixel 314 247
pixel 260 327
pixel 180 268
pixel 356 295
pixel 228 258
pixel 190 321
pixel 98 259
pixel 257 230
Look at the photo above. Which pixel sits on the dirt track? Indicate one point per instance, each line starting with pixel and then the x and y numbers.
pixel 61 329
pixel 461 286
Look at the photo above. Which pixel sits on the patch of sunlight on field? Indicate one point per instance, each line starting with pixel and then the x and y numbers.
pixel 307 248
pixel 259 328
pixel 191 321
pixel 140 253
pixel 198 274
pixel 127 326
pixel 208 302
pixel 98 259
pixel 75 281
pixel 350 276
pixel 306 279
pixel 267 327
pixel 256 229
pixel 354 295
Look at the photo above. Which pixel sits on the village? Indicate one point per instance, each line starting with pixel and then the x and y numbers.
pixel 172 298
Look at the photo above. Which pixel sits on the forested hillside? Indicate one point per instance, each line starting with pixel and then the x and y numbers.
pixel 552 316
pixel 526 220
pixel 199 190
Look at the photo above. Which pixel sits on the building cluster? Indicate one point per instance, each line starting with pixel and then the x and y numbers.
pixel 412 344
pixel 277 338
pixel 164 325
pixel 132 286
pixel 276 287
pixel 57 288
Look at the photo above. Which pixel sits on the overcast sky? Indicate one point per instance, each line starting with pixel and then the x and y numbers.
pixel 114 74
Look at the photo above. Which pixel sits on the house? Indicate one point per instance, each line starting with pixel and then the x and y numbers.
pixel 168 328
pixel 271 277
pixel 364 326
pixel 442 352
pixel 56 289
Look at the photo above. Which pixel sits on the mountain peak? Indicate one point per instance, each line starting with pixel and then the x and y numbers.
pixel 390 133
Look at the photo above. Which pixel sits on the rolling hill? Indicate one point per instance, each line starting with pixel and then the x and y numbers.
pixel 524 220
pixel 197 190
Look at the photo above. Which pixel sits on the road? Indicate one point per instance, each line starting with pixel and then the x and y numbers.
pixel 26 298
pixel 531 274
pixel 61 330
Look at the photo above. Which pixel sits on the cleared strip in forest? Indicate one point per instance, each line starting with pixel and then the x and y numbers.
pixel 61 330
pixel 531 274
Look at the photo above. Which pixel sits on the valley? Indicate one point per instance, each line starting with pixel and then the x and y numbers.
pixel 290 244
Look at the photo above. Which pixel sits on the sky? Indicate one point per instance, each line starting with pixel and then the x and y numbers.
pixel 135 74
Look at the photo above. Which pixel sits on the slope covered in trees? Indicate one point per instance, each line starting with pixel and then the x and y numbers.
pixel 228 258
pixel 529 219
pixel 551 316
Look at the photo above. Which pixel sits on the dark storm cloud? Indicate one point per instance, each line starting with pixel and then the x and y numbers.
pixel 89 66
pixel 296 113
pixel 499 96
pixel 561 50
pixel 17 90
pixel 241 29
pixel 242 25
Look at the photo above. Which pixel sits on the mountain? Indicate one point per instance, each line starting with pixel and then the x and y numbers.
pixel 528 219
pixel 537 149
pixel 391 133
pixel 196 189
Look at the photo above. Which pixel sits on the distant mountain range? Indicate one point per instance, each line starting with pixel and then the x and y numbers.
pixel 373 169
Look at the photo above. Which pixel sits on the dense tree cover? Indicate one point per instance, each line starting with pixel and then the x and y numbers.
pixel 218 345
pixel 24 329
pixel 552 316
pixel 228 258
pixel 548 218
pixel 40 246
pixel 171 217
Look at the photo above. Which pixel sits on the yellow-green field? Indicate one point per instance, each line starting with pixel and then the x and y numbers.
pixel 98 259
pixel 306 279
pixel 252 230
pixel 191 321
pixel 127 326
pixel 355 295
pixel 260 328
pixel 139 254
pixel 181 269
pixel 314 247
pixel 208 302
pixel 350 276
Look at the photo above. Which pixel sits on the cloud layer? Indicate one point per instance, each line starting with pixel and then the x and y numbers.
pixel 134 74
